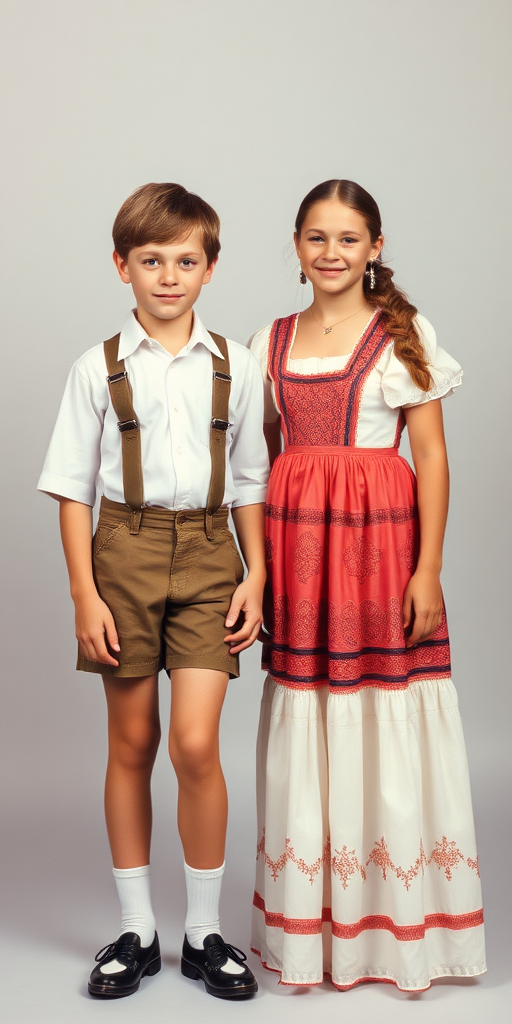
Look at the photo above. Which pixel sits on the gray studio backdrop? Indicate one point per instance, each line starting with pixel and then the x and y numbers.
pixel 250 103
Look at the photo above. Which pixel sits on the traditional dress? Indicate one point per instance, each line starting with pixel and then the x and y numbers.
pixel 366 857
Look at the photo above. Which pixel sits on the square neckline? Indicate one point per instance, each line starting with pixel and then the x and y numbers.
pixel 330 374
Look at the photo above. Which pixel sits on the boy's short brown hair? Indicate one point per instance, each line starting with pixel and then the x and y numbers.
pixel 165 212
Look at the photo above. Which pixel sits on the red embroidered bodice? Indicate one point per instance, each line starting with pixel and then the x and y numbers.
pixel 322 409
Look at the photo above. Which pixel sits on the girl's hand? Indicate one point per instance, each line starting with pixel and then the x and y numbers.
pixel 248 600
pixel 93 623
pixel 423 606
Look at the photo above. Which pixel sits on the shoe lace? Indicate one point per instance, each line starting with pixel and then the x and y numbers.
pixel 220 952
pixel 121 950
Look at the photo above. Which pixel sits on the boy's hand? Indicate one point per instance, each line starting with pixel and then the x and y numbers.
pixel 247 599
pixel 94 622
pixel 422 607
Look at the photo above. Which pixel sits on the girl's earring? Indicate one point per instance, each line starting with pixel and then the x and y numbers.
pixel 302 276
pixel 371 272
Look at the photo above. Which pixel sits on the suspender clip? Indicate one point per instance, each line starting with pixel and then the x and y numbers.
pixel 115 377
pixel 127 425
pixel 220 424
pixel 217 375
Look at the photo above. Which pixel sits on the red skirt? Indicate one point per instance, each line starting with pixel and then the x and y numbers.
pixel 342 543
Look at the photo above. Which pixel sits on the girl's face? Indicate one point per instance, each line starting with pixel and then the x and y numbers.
pixel 334 247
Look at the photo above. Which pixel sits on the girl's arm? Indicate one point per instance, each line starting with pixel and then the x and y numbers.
pixel 93 619
pixel 272 433
pixel 423 599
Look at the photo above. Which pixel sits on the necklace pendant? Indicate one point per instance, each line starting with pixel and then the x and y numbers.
pixel 327 330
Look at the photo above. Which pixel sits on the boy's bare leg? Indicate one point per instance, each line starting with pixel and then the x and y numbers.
pixel 197 696
pixel 133 738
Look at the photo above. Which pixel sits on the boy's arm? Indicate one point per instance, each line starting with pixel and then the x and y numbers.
pixel 273 438
pixel 93 619
pixel 249 465
pixel 248 597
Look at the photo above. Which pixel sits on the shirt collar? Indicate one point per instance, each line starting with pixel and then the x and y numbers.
pixel 133 334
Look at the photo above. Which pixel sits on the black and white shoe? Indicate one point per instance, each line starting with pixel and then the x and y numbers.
pixel 222 968
pixel 122 964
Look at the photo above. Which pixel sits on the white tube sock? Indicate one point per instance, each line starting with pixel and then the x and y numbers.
pixel 135 899
pixel 203 895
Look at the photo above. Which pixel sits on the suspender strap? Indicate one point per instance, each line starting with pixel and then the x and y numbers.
pixel 218 427
pixel 121 397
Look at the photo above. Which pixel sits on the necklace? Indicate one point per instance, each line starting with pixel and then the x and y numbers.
pixel 327 330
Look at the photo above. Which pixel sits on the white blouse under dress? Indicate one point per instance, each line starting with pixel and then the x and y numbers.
pixel 388 389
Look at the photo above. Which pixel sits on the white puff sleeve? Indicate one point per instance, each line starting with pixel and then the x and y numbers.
pixel 258 345
pixel 397 384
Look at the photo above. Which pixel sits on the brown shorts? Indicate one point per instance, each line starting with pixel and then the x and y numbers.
pixel 168 587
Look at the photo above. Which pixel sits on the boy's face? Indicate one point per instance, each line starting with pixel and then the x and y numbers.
pixel 166 279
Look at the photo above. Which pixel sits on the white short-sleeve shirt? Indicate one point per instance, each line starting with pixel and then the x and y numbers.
pixel 172 398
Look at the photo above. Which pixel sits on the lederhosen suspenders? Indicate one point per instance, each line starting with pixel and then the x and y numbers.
pixel 121 397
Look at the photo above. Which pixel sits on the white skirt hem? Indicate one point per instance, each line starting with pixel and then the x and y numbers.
pixel 368 974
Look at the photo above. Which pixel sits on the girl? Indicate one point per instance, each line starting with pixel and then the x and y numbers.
pixel 366 864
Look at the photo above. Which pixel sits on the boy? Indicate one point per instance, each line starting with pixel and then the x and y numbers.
pixel 166 420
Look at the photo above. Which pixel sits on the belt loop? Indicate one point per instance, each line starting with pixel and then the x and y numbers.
pixel 135 518
pixel 208 525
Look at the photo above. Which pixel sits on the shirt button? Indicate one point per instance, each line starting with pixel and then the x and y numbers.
pixel 176 408
pixel 179 451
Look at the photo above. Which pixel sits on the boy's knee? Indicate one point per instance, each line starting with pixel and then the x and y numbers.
pixel 136 748
pixel 193 756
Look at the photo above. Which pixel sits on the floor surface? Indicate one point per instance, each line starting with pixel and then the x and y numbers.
pixel 59 903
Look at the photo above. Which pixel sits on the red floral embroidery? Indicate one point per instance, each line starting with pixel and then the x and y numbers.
pixel 362 559
pixel 307 557
pixel 380 857
pixel 447 856
pixel 345 863
pixel 276 866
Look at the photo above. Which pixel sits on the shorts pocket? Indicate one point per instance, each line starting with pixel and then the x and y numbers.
pixel 106 534
pixel 229 540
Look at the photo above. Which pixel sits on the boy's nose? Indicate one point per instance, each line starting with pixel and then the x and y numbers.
pixel 168 275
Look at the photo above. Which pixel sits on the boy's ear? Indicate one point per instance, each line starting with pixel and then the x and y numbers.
pixel 122 267
pixel 207 277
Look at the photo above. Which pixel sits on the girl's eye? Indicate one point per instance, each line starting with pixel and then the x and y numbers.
pixel 315 238
pixel 348 239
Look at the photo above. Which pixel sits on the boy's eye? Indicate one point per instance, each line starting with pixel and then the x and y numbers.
pixel 151 262
pixel 188 263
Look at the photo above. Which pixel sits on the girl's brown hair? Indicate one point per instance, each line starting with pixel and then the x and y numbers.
pixel 164 212
pixel 398 312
